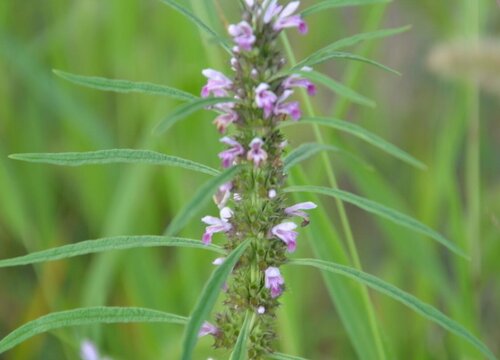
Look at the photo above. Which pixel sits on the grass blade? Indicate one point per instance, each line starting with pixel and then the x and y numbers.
pixel 114 156
pixel 397 294
pixel 338 88
pixel 318 58
pixel 280 356
pixel 105 244
pixel 383 211
pixel 199 200
pixel 240 348
pixel 207 299
pixel 363 134
pixel 86 316
pixel 323 5
pixel 125 86
pixel 198 22
pixel 186 110
pixel 305 151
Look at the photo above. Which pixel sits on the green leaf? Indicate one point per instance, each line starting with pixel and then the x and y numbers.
pixel 337 87
pixel 381 210
pixel 114 156
pixel 409 300
pixel 318 58
pixel 202 196
pixel 105 244
pixel 240 348
pixel 363 134
pixel 323 5
pixel 207 299
pixel 125 86
pixel 280 356
pixel 198 22
pixel 355 39
pixel 305 151
pixel 86 316
pixel 187 109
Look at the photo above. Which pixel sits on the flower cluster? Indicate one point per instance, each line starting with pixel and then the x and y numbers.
pixel 253 205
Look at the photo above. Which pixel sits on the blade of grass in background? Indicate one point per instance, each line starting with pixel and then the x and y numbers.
pixel 328 4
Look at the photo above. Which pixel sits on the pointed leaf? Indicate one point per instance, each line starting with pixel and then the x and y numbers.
pixel 125 86
pixel 198 22
pixel 113 156
pixel 383 211
pixel 240 348
pixel 337 87
pixel 403 297
pixel 318 58
pixel 207 299
pixel 86 316
pixel 187 109
pixel 280 356
pixel 363 134
pixel 323 5
pixel 105 244
pixel 200 199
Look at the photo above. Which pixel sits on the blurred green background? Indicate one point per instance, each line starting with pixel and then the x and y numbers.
pixel 428 111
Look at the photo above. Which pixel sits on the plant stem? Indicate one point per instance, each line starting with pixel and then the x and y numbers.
pixel 342 213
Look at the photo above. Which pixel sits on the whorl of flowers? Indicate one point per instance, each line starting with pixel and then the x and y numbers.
pixel 253 205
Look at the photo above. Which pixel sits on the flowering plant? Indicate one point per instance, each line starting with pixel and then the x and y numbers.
pixel 256 218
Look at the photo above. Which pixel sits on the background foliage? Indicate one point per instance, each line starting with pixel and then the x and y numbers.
pixel 426 114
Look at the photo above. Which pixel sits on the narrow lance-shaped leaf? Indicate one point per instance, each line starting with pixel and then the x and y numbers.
pixel 86 316
pixel 105 244
pixel 207 299
pixel 240 348
pixel 363 134
pixel 125 86
pixel 280 356
pixel 409 300
pixel 200 199
pixel 337 87
pixel 187 109
pixel 321 58
pixel 381 210
pixel 198 22
pixel 114 156
pixel 323 5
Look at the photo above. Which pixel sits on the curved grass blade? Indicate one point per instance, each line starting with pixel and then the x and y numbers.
pixel 318 58
pixel 86 316
pixel 187 109
pixel 207 299
pixel 363 134
pixel 356 39
pixel 199 200
pixel 114 156
pixel 338 88
pixel 125 86
pixel 323 5
pixel 198 22
pixel 383 211
pixel 397 294
pixel 240 348
pixel 280 356
pixel 106 244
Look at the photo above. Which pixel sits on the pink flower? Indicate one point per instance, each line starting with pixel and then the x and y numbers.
pixel 256 153
pixel 242 34
pixel 265 99
pixel 272 9
pixel 218 261
pixel 285 233
pixel 284 19
pixel 223 194
pixel 298 81
pixel 207 329
pixel 218 84
pixel 229 156
pixel 225 119
pixel 88 351
pixel 296 210
pixel 291 108
pixel 217 225
pixel 274 281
